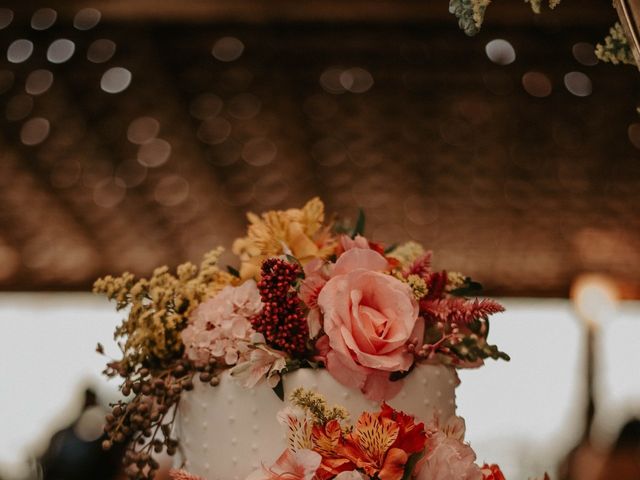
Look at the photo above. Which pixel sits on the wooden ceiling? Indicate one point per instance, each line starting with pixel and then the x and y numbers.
pixel 505 13
pixel 522 175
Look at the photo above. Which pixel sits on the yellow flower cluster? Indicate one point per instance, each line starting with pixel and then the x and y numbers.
pixel 616 48
pixel 407 253
pixel 159 307
pixel 316 405
pixel 297 232
pixel 536 5
pixel 455 280
pixel 418 286
pixel 479 7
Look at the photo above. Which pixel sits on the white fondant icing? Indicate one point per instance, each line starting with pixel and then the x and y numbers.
pixel 243 424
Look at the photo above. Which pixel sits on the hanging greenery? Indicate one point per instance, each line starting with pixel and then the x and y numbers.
pixel 470 15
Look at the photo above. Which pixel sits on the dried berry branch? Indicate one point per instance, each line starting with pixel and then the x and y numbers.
pixel 152 368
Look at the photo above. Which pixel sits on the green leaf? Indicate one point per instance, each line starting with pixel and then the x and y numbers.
pixel 395 376
pixel 469 289
pixel 390 248
pixel 310 364
pixel 233 271
pixel 411 464
pixel 360 223
pixel 279 390
pixel 292 259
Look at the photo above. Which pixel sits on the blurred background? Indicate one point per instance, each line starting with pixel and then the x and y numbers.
pixel 138 133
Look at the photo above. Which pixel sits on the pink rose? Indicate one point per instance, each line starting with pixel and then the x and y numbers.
pixel 370 318
pixel 347 243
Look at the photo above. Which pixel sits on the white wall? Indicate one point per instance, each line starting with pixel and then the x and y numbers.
pixel 523 414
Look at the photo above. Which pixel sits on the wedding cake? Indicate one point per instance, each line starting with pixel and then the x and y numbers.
pixel 322 355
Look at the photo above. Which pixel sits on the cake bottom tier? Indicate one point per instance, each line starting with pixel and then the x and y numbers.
pixel 228 431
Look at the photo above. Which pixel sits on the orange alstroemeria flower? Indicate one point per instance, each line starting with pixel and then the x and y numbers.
pixel 491 472
pixel 381 444
pixel 327 440
pixel 411 436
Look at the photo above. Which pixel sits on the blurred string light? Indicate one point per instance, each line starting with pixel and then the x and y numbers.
pixel 19 50
pixel 584 53
pixel 595 297
pixel 206 105
pixel 356 80
pixel 142 130
pixel 244 106
pixel 61 50
pixel 227 49
pixel 634 134
pixel 131 172
pixel 43 18
pixel 109 192
pixel 101 50
pixel 338 80
pixel 154 153
pixel 86 19
pixel 259 152
pixel 35 131
pixel 115 80
pixel 6 17
pixel 214 131
pixel 19 107
pixel 578 84
pixel 500 51
pixel 537 84
pixel 38 82
pixel 171 191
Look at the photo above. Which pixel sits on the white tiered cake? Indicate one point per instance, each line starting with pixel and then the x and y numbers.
pixel 228 431
pixel 336 323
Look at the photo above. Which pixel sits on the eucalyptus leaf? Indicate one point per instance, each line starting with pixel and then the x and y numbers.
pixel 360 224
pixel 411 464
pixel 468 289
pixel 279 390
pixel 233 271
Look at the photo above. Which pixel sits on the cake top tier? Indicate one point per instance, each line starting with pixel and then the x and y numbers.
pixel 306 293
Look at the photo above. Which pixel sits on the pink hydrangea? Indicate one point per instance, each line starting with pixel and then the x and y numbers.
pixel 449 459
pixel 220 328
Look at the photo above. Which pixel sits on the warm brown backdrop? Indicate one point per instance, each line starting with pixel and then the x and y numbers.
pixel 444 147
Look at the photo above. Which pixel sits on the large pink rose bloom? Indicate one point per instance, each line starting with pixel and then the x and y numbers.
pixel 369 319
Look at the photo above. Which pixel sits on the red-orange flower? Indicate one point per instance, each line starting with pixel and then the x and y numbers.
pixel 327 441
pixel 381 444
pixel 491 472
pixel 411 436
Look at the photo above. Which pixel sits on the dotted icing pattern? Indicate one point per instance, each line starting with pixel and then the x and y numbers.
pixel 217 426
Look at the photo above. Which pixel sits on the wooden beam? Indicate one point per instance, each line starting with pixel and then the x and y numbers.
pixel 500 13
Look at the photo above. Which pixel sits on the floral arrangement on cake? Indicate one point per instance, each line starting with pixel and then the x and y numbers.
pixel 384 445
pixel 307 293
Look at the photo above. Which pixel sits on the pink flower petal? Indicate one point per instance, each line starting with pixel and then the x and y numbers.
pixel 359 258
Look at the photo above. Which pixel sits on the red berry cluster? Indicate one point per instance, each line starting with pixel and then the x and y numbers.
pixel 282 321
